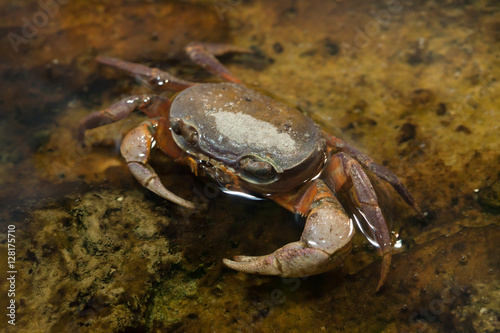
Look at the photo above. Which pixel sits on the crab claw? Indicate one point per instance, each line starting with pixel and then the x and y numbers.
pixel 325 241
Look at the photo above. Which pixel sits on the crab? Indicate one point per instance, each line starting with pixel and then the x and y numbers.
pixel 250 143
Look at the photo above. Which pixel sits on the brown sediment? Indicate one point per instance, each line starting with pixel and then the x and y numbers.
pixel 415 87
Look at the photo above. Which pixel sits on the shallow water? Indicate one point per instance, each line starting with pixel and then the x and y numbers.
pixel 413 84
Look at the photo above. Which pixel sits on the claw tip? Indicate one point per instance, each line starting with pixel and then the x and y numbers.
pixel 386 264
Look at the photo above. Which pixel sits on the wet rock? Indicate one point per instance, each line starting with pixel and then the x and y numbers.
pixel 110 256
pixel 489 197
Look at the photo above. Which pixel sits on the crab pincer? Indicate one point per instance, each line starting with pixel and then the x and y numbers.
pixel 247 142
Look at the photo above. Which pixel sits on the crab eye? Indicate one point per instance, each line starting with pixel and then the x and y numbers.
pixel 257 170
pixel 189 133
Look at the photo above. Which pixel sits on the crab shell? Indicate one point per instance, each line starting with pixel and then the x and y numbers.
pixel 270 146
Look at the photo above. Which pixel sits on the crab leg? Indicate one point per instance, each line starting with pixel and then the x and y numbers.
pixel 324 242
pixel 153 77
pixel 136 147
pixel 342 174
pixel 377 169
pixel 118 111
pixel 204 55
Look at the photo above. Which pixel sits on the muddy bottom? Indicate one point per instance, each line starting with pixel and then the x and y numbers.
pixel 85 248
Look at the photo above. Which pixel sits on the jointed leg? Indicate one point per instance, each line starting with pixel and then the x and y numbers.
pixel 153 77
pixel 377 169
pixel 324 242
pixel 204 55
pixel 344 174
pixel 135 148
pixel 149 104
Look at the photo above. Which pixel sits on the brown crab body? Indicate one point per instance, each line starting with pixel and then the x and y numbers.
pixel 250 142
pixel 237 125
